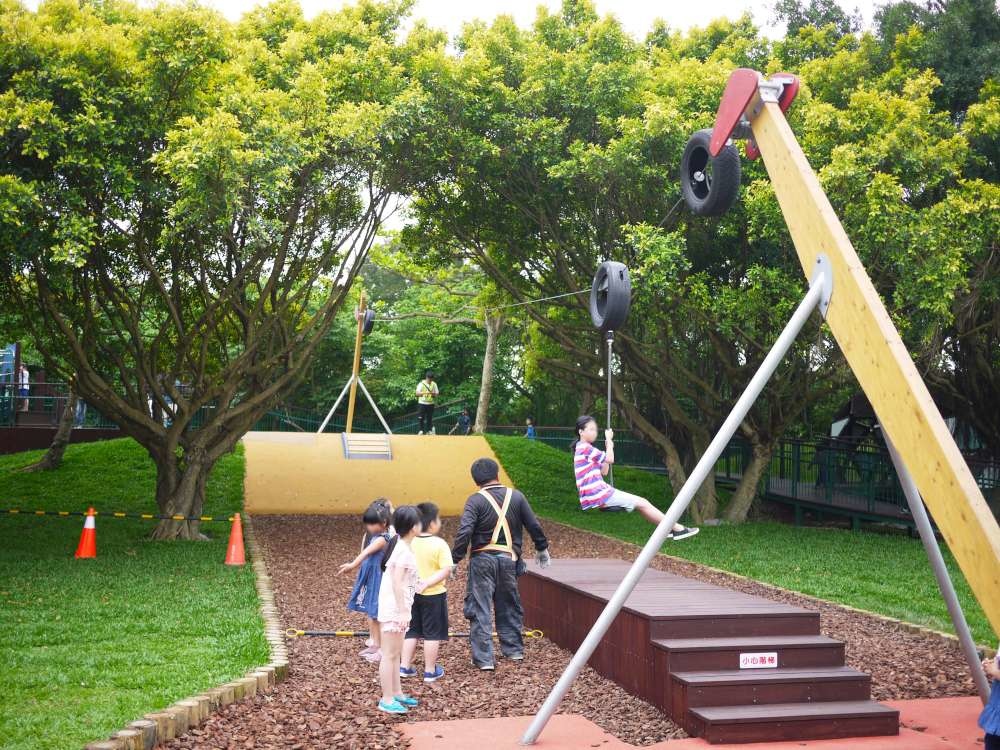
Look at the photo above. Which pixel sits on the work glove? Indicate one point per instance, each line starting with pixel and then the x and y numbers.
pixel 543 558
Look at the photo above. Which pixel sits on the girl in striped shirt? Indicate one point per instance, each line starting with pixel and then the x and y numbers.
pixel 591 465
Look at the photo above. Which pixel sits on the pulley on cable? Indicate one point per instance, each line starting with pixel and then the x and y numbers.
pixel 610 301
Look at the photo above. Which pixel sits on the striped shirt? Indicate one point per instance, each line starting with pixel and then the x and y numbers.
pixel 590 482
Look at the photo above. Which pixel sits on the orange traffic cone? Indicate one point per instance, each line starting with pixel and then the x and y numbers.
pixel 88 539
pixel 234 553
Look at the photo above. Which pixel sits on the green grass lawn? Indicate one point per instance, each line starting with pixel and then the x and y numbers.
pixel 89 645
pixel 878 572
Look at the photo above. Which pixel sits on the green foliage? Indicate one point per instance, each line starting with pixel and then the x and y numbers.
pixel 562 143
pixel 817 13
pixel 188 200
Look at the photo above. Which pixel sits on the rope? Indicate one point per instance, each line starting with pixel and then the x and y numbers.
pixel 115 514
pixel 540 299
pixel 670 212
pixel 555 296
pixel 502 307
pixel 293 633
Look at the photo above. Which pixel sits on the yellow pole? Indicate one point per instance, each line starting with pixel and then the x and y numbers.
pixel 882 365
pixel 357 364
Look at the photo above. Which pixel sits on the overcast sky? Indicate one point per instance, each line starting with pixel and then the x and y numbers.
pixel 636 15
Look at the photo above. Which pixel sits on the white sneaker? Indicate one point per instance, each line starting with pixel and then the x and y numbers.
pixel 432 432
pixel 420 432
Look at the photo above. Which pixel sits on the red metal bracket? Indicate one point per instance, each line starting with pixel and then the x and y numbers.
pixel 740 91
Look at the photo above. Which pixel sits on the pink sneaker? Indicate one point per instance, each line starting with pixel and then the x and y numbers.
pixel 369 650
pixel 373 658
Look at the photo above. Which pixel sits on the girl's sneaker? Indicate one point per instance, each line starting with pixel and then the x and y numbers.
pixel 374 658
pixel 407 700
pixel 404 672
pixel 393 707
pixel 684 533
pixel 436 675
pixel 370 649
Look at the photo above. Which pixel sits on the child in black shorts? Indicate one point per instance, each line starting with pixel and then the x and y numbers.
pixel 429 618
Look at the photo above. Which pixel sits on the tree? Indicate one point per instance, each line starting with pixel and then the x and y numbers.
pixel 12 330
pixel 547 176
pixel 52 458
pixel 959 40
pixel 556 147
pixel 451 294
pixel 188 202
pixel 819 13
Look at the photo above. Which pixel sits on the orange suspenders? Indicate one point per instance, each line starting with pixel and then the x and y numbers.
pixel 502 525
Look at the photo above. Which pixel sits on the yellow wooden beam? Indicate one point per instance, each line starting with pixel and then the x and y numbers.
pixel 882 365
pixel 356 367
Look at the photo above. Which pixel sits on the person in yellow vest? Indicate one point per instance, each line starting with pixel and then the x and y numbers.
pixel 427 393
pixel 492 523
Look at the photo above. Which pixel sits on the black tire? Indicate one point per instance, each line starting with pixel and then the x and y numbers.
pixel 610 296
pixel 369 322
pixel 709 185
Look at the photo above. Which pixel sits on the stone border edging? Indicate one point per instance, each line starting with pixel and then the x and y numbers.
pixel 907 626
pixel 184 715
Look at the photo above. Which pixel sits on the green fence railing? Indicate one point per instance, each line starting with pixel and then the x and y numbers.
pixel 842 474
pixel 837 473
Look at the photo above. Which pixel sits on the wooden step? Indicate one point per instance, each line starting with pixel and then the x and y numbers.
pixel 367 445
pixel 687 622
pixel 760 686
pixel 793 721
pixel 704 654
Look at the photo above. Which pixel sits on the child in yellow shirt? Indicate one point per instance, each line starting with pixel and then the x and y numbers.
pixel 429 618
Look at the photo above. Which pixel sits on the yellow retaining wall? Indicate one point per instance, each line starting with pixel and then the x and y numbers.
pixel 292 472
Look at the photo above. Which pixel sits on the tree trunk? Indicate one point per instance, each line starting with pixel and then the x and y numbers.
pixel 180 491
pixel 54 455
pixel 493 326
pixel 705 503
pixel 746 490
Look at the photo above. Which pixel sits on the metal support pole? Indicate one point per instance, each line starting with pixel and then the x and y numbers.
pixel 610 338
pixel 704 469
pixel 336 403
pixel 372 402
pixel 919 513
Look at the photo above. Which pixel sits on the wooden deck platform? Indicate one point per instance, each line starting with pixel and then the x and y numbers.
pixel 678 644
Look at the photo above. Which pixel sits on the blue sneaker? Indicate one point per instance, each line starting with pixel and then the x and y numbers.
pixel 404 672
pixel 393 707
pixel 436 675
pixel 407 700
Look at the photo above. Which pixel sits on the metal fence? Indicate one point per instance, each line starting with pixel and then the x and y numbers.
pixel 45 408
pixel 838 473
pixel 858 476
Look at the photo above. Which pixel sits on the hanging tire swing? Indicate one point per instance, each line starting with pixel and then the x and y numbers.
pixel 709 184
pixel 610 296
pixel 369 322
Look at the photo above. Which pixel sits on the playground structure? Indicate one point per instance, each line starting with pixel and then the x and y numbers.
pixel 366 321
pixel 702 685
pixel 726 666
pixel 342 473
pixel 288 473
pixel 753 108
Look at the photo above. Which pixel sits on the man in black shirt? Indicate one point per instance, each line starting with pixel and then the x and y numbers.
pixel 492 522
